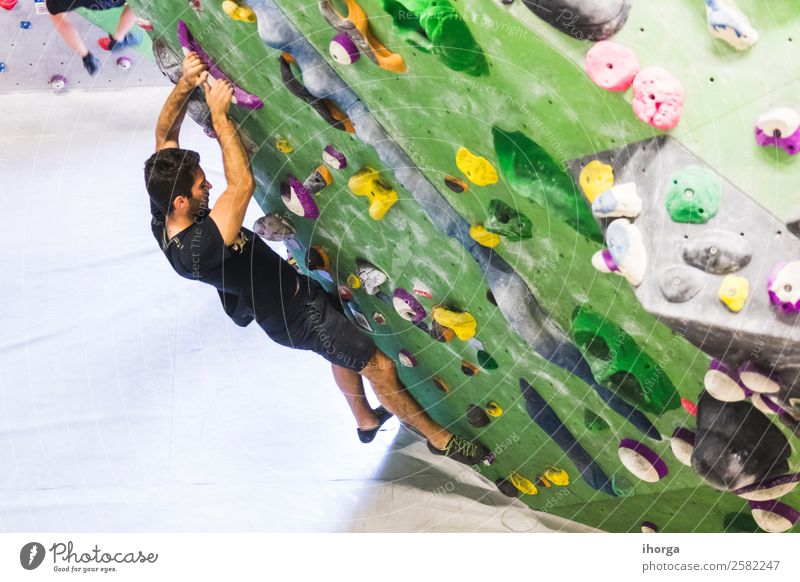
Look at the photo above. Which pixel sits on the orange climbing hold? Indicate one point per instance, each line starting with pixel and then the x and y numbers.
pixel 356 25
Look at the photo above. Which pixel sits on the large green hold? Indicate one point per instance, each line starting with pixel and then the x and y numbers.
pixel 507 222
pixel 533 173
pixel 437 28
pixel 693 195
pixel 618 363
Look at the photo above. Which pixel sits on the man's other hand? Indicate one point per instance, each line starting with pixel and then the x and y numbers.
pixel 219 98
pixel 195 72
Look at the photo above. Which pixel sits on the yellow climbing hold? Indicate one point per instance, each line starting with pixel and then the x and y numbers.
pixel 493 409
pixel 733 292
pixel 368 182
pixel 479 170
pixel 596 177
pixel 237 12
pixel 353 281
pixel 283 146
pixel 523 484
pixel 479 234
pixel 462 323
pixel 557 476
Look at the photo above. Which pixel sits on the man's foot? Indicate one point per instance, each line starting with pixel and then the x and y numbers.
pixel 461 450
pixel 367 435
pixel 109 43
pixel 91 64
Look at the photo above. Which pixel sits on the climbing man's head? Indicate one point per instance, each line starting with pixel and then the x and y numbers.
pixel 172 173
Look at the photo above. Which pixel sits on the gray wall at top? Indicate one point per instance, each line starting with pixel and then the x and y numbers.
pixel 33 56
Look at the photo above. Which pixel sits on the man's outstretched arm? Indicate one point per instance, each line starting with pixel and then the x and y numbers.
pixel 229 209
pixel 174 110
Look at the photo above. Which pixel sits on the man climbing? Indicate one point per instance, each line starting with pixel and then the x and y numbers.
pixel 254 283
pixel 121 38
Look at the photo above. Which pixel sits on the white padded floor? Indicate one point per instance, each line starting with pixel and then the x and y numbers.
pixel 128 400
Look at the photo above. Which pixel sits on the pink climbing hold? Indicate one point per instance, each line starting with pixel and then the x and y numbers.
pixel 658 97
pixel 8 4
pixel 611 66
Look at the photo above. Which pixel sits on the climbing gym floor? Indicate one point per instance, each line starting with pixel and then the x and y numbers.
pixel 130 403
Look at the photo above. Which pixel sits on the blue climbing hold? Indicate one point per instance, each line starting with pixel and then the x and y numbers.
pixel 2 67
pixel 25 24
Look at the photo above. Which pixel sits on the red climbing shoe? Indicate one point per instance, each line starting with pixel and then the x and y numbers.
pixel 109 43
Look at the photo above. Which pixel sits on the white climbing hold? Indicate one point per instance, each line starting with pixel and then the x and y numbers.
pixel 757 380
pixel 726 22
pixel 621 200
pixel 642 461
pixel 780 122
pixel 625 243
pixel 723 383
pixel 682 445
pixel 603 262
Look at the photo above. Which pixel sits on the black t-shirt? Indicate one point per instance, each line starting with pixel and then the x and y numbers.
pixel 252 280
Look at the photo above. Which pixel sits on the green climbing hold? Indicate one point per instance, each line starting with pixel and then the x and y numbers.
pixel 593 421
pixel 486 361
pixel 534 174
pixel 619 364
pixel 434 26
pixel 621 486
pixel 506 221
pixel 693 195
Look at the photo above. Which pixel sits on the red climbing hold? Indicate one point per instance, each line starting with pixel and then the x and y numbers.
pixel 689 406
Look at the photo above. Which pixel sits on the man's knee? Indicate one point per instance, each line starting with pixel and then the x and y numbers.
pixel 379 367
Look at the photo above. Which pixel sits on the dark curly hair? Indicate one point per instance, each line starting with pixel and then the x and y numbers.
pixel 169 173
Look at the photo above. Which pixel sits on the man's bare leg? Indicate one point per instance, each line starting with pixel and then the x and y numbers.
pixel 381 373
pixel 126 21
pixel 69 33
pixel 351 385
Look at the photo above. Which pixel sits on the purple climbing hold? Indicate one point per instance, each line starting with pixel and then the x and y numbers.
pixel 783 287
pixel 407 306
pixel 124 63
pixel 334 158
pixel 642 461
pixel 756 379
pixel 58 83
pixel 188 43
pixel 407 358
pixel 298 200
pixel 343 50
pixel 780 128
pixel 724 384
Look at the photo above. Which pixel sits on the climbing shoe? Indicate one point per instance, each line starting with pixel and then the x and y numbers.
pixel 367 436
pixel 91 64
pixel 109 43
pixel 461 450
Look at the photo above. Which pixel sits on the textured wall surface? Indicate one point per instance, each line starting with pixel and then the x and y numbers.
pixel 581 364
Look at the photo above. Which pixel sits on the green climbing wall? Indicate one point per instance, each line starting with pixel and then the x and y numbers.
pixel 534 94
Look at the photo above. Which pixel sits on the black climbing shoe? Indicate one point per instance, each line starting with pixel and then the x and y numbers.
pixel 91 64
pixel 461 450
pixel 367 436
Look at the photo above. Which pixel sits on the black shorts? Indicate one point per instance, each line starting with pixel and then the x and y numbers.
pixel 315 321
pixel 59 6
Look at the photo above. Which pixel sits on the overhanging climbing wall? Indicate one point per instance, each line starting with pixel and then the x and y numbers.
pixel 438 165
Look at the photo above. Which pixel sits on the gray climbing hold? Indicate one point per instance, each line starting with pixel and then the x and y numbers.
pixel 679 283
pixel 718 252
